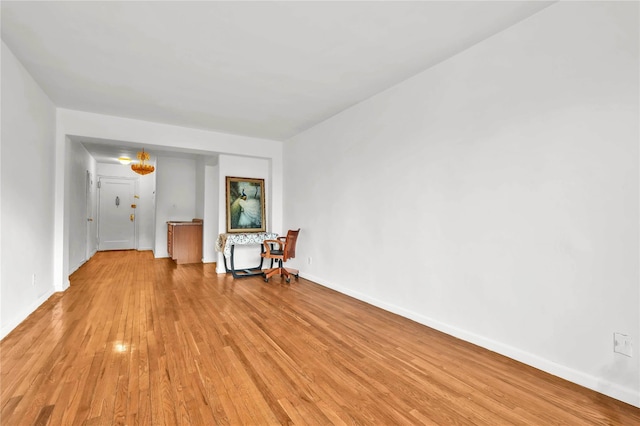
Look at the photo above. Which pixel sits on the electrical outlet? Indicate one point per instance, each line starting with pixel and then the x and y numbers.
pixel 309 260
pixel 33 279
pixel 622 344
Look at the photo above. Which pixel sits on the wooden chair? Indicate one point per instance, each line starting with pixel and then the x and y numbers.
pixel 281 250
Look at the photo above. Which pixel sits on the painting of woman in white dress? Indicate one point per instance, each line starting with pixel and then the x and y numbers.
pixel 245 205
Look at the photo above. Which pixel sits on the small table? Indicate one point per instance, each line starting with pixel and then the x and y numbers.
pixel 227 242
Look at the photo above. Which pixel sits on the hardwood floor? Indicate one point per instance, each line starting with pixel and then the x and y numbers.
pixel 137 340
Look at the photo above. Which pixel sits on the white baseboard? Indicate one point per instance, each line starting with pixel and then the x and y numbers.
pixel 9 327
pixel 624 394
pixel 72 269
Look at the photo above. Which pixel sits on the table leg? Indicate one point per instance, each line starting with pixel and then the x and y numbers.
pixel 248 272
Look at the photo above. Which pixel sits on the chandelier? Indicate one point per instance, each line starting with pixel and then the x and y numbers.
pixel 142 168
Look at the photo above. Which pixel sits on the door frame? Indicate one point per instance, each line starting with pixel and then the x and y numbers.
pixel 90 238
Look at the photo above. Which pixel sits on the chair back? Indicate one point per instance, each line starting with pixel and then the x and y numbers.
pixel 290 245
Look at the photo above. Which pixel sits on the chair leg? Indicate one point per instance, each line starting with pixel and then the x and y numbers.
pixel 293 272
pixel 270 272
pixel 280 270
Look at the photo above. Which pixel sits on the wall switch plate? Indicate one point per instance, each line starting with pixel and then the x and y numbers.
pixel 622 344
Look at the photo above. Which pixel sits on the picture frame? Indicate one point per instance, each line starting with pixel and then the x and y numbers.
pixel 245 204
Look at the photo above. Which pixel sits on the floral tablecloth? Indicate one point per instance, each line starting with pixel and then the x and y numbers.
pixel 225 241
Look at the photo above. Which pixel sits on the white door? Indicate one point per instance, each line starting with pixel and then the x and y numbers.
pixel 116 216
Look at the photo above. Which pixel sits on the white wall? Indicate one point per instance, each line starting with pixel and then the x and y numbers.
pixel 28 139
pixel 81 232
pixel 494 196
pixel 256 168
pixel 146 212
pixel 176 196
pixel 200 187
pixel 210 227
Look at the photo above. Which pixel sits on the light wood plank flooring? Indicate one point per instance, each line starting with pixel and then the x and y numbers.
pixel 137 340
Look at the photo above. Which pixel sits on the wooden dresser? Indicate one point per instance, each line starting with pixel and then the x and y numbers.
pixel 184 241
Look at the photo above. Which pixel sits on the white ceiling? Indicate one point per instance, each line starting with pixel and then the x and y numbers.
pixel 263 69
pixel 108 151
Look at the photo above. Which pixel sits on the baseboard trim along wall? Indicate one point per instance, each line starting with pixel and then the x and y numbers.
pixel 9 327
pixel 627 395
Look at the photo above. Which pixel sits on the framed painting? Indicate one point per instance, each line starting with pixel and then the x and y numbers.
pixel 245 205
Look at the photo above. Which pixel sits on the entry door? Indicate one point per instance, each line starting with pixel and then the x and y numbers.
pixel 116 216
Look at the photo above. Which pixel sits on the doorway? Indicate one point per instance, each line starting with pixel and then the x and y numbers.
pixel 116 214
pixel 90 230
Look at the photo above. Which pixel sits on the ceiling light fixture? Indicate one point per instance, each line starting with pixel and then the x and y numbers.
pixel 124 160
pixel 142 168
